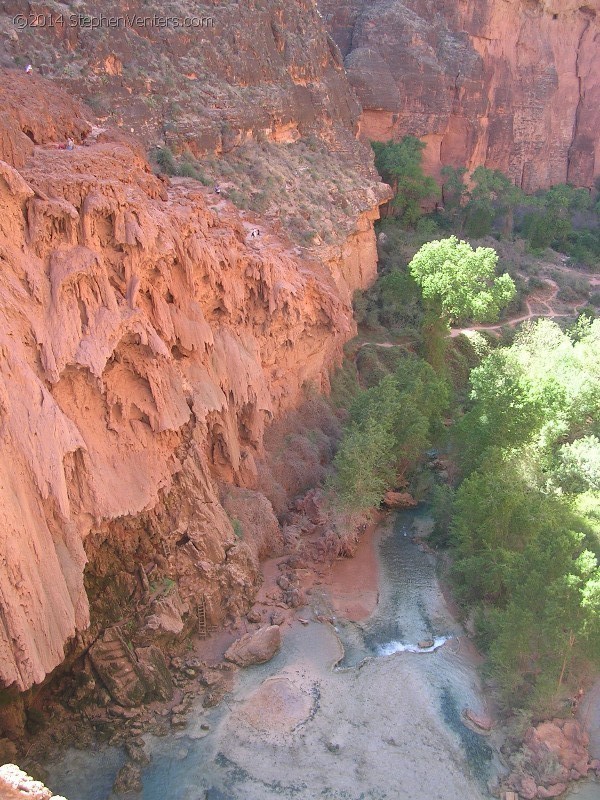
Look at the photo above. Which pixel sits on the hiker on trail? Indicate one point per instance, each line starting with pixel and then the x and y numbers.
pixel 70 144
pixel 29 69
pixel 254 233
pixel 217 189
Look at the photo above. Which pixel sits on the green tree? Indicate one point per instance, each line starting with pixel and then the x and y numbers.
pixel 564 197
pixel 549 621
pixel 493 195
pixel 578 469
pixel 459 283
pixel 526 524
pixel 399 164
pixel 509 408
pixel 551 225
pixel 390 427
pixel 454 187
pixel 364 465
pixel 546 228
pixel 497 513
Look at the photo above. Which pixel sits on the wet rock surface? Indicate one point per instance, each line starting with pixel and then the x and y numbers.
pixel 128 780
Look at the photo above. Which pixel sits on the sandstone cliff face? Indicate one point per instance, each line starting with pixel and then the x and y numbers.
pixel 246 69
pixel 510 84
pixel 146 341
pixel 245 76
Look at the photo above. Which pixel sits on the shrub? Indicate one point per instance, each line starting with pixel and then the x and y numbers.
pixel 166 160
pixel 187 170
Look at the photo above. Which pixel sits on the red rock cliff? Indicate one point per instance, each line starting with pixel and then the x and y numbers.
pixel 247 69
pixel 145 342
pixel 510 84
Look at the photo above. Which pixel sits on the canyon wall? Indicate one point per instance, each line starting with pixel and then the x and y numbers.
pixel 147 341
pixel 247 69
pixel 510 84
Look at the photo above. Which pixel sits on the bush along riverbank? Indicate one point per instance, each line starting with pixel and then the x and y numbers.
pixel 519 504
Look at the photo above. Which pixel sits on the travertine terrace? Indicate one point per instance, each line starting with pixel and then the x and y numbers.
pixel 146 342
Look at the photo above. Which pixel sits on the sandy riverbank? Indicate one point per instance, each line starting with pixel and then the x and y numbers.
pixel 353 583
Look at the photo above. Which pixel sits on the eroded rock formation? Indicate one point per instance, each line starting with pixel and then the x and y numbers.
pixel 553 754
pixel 146 341
pixel 255 648
pixel 510 84
pixel 17 785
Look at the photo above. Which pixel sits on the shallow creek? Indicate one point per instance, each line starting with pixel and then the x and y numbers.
pixel 355 711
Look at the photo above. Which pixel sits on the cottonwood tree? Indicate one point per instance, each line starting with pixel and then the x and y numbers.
pixel 457 283
pixel 390 427
pixel 460 283
pixel 526 525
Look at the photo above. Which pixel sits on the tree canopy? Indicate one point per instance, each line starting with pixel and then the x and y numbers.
pixel 399 164
pixel 390 427
pixel 460 282
pixel 526 518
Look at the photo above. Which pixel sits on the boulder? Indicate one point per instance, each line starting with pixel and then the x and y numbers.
pixel 210 677
pixel 136 750
pixel 129 779
pixel 255 648
pixel 166 615
pixel 254 615
pixel 566 741
pixel 155 672
pixel 311 506
pixel 129 676
pixel 527 788
pixel 214 696
pixel 178 721
pixel 481 721
pixel 524 785
pixel 295 598
pixel 118 669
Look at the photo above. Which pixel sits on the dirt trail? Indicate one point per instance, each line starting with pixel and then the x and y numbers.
pixel 547 302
